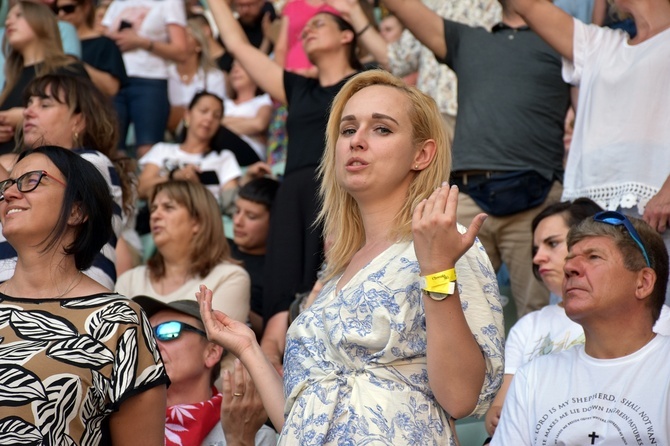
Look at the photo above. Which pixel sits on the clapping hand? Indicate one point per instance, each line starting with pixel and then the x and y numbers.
pixel 437 240
pixel 242 411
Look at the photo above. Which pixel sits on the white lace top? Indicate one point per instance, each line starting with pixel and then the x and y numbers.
pixel 620 154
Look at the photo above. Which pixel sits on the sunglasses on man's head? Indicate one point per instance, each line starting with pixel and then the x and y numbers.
pixel 171 330
pixel 618 219
pixel 67 9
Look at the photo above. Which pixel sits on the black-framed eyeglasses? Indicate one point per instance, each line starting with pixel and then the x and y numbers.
pixel 171 330
pixel 67 9
pixel 618 219
pixel 27 182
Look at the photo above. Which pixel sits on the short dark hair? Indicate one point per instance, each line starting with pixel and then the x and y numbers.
pixel 85 187
pixel 260 190
pixel 632 255
pixel 572 212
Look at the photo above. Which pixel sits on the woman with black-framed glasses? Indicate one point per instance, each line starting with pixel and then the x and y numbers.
pixel 27 182
pixel 80 365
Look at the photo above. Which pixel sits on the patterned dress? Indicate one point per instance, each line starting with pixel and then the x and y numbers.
pixel 67 364
pixel 355 363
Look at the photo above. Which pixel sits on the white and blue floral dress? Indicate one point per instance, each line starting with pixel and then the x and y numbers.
pixel 355 363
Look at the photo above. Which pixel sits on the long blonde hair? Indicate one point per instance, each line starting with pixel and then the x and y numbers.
pixel 339 212
pixel 205 61
pixel 44 24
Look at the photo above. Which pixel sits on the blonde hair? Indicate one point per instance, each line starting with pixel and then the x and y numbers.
pixel 339 212
pixel 44 24
pixel 204 58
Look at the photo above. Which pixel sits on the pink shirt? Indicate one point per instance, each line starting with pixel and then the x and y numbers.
pixel 298 13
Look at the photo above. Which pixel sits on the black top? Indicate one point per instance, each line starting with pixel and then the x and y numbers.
pixel 254 265
pixel 309 108
pixel 15 97
pixel 103 54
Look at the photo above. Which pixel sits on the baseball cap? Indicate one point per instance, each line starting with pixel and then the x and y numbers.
pixel 152 306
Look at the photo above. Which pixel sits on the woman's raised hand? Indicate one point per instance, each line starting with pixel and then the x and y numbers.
pixel 233 335
pixel 437 242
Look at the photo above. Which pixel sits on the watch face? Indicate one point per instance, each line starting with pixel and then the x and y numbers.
pixel 435 296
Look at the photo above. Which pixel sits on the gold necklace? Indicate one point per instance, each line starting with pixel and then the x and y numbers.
pixel 73 285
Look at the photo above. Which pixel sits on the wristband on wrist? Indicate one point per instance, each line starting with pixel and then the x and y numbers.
pixel 439 285
pixel 365 28
pixel 441 278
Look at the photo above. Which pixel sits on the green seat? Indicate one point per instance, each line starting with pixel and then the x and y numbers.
pixel 471 432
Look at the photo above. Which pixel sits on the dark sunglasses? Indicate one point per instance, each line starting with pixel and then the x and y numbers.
pixel 171 330
pixel 67 9
pixel 27 182
pixel 618 219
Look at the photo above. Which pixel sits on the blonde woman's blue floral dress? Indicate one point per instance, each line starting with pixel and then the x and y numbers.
pixel 355 361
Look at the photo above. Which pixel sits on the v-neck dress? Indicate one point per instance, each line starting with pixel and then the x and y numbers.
pixel 355 367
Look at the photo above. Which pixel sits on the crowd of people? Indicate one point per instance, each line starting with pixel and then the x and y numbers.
pixel 254 222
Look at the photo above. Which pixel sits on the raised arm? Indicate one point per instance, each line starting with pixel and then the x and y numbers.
pixel 425 24
pixel 267 74
pixel 240 340
pixel 456 365
pixel 366 33
pixel 553 24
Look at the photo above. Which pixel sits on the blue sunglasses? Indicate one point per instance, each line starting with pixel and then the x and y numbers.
pixel 171 330
pixel 618 219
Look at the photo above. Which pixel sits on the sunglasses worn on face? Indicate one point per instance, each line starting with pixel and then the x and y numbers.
pixel 618 219
pixel 27 182
pixel 67 9
pixel 171 330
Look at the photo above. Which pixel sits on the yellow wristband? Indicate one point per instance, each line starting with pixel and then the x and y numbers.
pixel 441 278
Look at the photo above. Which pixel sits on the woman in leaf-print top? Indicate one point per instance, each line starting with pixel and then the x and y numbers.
pixel 373 360
pixel 78 365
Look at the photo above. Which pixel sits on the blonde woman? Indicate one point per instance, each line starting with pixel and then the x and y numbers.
pixel 374 350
